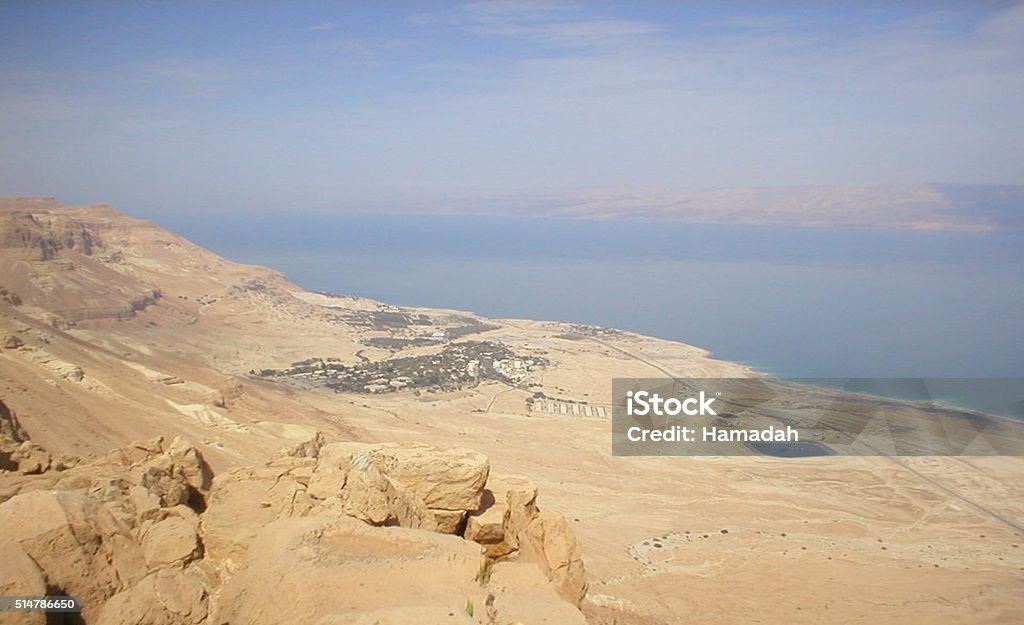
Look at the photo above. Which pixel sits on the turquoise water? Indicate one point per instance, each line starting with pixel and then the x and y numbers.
pixel 791 302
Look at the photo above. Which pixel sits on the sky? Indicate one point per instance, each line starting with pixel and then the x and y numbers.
pixel 364 106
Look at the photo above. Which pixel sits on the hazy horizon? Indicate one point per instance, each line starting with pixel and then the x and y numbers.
pixel 501 104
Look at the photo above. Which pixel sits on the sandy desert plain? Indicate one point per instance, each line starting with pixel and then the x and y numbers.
pixel 115 330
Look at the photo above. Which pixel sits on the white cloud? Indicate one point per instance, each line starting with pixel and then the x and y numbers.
pixel 551 22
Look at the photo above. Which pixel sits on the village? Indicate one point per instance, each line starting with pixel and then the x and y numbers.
pixel 456 366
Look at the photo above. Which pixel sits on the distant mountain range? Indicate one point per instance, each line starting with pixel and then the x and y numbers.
pixel 926 206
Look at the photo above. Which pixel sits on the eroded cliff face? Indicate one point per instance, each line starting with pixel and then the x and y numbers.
pixel 113 329
pixel 53 260
pixel 29 229
pixel 338 532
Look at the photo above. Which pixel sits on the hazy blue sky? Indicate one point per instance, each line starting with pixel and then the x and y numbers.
pixel 366 105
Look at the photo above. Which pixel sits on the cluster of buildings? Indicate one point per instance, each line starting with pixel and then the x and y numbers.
pixel 457 365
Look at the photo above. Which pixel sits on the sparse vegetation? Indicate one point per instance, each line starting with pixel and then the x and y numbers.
pixel 458 365
pixel 483 574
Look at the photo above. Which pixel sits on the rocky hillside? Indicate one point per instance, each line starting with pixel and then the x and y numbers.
pixel 113 329
pixel 341 532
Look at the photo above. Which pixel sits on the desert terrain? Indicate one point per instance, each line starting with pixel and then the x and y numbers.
pixel 114 330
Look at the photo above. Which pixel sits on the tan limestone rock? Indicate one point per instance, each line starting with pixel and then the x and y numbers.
pixel 76 543
pixel 551 536
pixel 166 480
pixel 244 499
pixel 448 521
pixel 166 597
pixel 171 542
pixel 20 576
pixel 446 479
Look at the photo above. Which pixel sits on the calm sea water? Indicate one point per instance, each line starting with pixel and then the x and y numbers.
pixel 787 301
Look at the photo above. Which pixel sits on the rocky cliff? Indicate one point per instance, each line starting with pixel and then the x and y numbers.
pixel 340 532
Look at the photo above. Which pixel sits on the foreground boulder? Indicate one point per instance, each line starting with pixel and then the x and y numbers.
pixel 445 479
pixel 510 504
pixel 327 533
pixel 139 480
pixel 550 542
pixel 172 541
pixel 327 569
pixel 511 526
pixel 20 576
pixel 166 597
pixel 411 485
pixel 78 546
pixel 349 479
pixel 109 525
pixel 408 485
pixel 243 500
